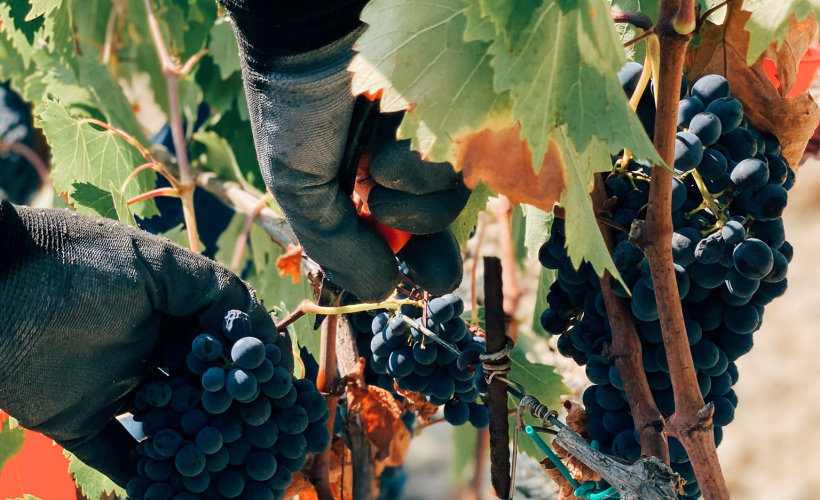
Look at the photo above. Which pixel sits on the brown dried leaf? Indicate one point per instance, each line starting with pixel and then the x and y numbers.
pixel 503 161
pixel 417 402
pixel 381 418
pixel 300 486
pixel 723 51
pixel 565 490
pixel 290 263
pixel 576 420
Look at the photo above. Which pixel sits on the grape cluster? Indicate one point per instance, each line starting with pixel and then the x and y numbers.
pixel 404 357
pixel 730 257
pixel 228 420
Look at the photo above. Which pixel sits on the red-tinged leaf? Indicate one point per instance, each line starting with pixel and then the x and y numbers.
pixel 290 263
pixel 723 51
pixel 503 161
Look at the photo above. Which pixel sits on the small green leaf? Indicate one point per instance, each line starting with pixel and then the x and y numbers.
pixel 92 482
pixel 83 154
pixel 540 381
pixel 223 48
pixel 11 442
pixel 770 20
pixel 124 213
pixel 40 7
pixel 626 31
pixel 463 226
pixel 216 155
pixel 465 441
pixel 91 200
pixel 537 228
pixel 545 280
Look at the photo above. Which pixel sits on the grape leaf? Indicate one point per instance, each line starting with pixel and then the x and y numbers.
pixel 94 484
pixel 223 48
pixel 81 153
pixel 61 27
pixel 562 71
pixel 584 240
pixel 509 17
pixel 626 31
pixel 545 279
pixel 414 51
pixel 40 7
pixel 463 226
pixel 465 441
pixel 11 442
pixel 12 65
pixel 216 155
pixel 27 497
pixel 20 33
pixel 540 381
pixel 97 78
pixel 90 199
pixel 537 228
pixel 770 21
pixel 124 213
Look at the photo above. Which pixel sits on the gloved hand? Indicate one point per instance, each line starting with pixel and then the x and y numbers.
pixel 83 304
pixel 294 64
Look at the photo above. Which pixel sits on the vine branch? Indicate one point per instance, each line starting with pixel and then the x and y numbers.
pixel 687 423
pixel 626 352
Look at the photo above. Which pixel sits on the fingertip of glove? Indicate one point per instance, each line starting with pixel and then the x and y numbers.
pixel 434 262
pixel 417 214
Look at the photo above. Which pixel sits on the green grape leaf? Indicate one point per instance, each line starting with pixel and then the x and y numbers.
pixel 21 34
pixel 223 48
pixel 770 20
pixel 226 243
pixel 124 213
pixel 27 497
pixel 562 71
pixel 11 442
pixel 216 155
pixel 509 17
pixel 40 7
pixel 12 65
pixel 110 99
pixel 60 25
pixel 465 442
pixel 94 484
pixel 584 240
pixel 545 279
pixel 84 154
pixel 519 232
pixel 467 220
pixel 415 52
pixel 540 381
pixel 90 199
pixel 92 23
pixel 537 228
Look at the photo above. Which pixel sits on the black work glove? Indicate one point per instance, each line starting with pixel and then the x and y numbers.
pixel 294 62
pixel 84 303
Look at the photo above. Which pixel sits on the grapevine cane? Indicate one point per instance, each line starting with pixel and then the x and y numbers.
pixel 687 423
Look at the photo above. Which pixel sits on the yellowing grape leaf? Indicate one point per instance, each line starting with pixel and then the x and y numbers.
pixel 11 441
pixel 723 50
pixel 771 21
pixel 83 154
pixel 561 70
pixel 414 51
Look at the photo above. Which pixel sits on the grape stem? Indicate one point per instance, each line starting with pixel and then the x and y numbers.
pixel 326 382
pixel 708 200
pixel 310 307
pixel 429 333
pixel 626 353
pixel 690 423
